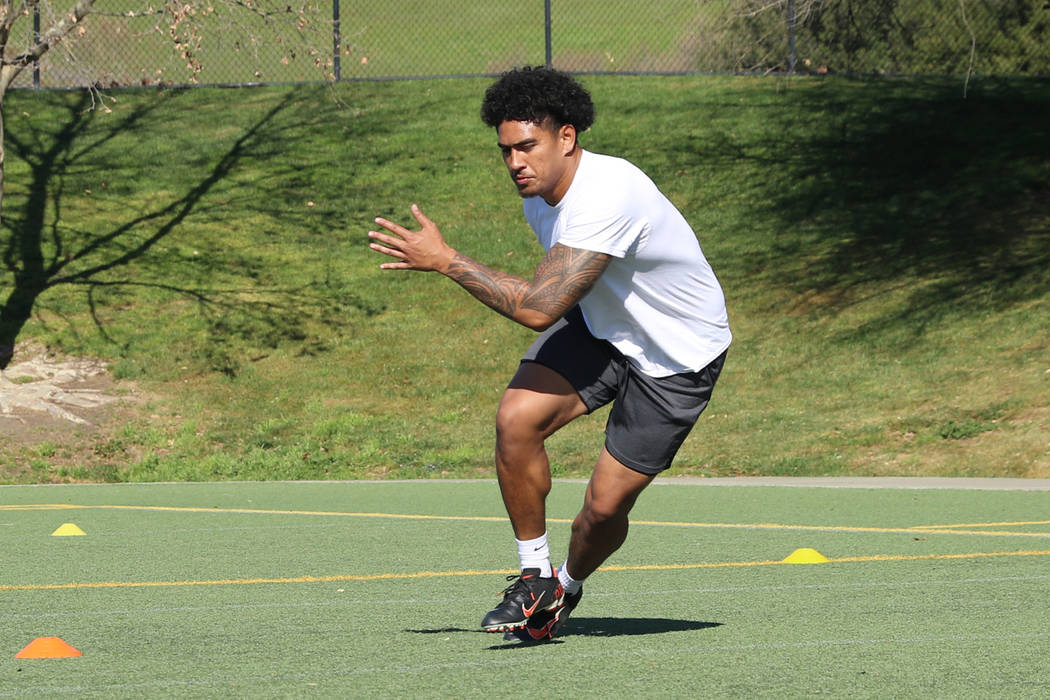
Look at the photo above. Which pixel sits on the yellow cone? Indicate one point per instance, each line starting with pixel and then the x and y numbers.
pixel 805 556
pixel 68 530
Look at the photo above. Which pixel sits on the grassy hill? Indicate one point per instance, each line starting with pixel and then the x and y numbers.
pixel 884 246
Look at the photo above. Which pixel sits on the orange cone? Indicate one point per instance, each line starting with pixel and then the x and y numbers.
pixel 47 648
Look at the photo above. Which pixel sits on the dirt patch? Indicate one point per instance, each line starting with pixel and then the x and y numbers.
pixel 47 397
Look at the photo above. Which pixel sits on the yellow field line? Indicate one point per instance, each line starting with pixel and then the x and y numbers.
pixel 927 530
pixel 259 511
pixel 40 506
pixel 1007 524
pixel 837 560
pixel 246 581
pixel 965 555
pixel 921 529
pixel 984 533
pixel 352 578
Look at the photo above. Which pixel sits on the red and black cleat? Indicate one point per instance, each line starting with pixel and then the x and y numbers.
pixel 529 595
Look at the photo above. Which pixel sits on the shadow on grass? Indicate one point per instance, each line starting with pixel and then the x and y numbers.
pixel 955 192
pixel 44 248
pixel 862 188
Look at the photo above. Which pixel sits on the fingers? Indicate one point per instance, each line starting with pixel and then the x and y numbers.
pixel 391 226
pixel 401 230
pixel 392 252
pixel 385 238
pixel 421 217
pixel 402 263
pixel 412 249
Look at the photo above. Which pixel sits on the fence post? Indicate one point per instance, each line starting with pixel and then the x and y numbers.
pixel 791 35
pixel 36 40
pixel 336 40
pixel 547 29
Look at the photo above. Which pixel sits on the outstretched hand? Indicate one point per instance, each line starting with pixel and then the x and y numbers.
pixel 415 250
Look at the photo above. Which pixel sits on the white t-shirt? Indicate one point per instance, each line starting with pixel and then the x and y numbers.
pixel 658 302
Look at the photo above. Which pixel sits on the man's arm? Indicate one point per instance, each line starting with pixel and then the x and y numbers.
pixel 561 279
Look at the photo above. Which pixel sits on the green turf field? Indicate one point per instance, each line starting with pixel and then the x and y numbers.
pixel 375 589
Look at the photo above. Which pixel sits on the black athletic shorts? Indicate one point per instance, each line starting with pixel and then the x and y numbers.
pixel 651 416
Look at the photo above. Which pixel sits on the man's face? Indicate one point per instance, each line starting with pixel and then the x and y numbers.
pixel 539 158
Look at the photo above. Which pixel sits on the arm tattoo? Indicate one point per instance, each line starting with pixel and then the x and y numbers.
pixel 495 289
pixel 562 278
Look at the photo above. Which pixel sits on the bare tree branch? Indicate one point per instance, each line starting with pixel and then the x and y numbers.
pixel 54 34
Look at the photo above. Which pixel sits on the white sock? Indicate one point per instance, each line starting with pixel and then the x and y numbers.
pixel 536 554
pixel 570 584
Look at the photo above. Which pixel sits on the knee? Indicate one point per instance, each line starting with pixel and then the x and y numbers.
pixel 605 504
pixel 515 425
pixel 599 511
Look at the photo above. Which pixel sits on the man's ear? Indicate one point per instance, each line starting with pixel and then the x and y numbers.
pixel 567 138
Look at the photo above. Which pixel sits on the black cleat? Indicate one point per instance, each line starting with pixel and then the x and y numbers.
pixel 544 625
pixel 528 595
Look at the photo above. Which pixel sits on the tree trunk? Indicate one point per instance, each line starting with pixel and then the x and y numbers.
pixel 3 151
pixel 8 71
pixel 7 343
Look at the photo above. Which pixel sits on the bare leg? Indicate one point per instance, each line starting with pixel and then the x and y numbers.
pixel 537 403
pixel 601 525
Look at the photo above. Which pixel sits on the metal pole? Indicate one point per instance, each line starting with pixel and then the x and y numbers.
pixel 547 29
pixel 336 40
pixel 791 36
pixel 36 40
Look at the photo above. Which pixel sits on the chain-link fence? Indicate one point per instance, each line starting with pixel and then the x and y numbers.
pixel 241 42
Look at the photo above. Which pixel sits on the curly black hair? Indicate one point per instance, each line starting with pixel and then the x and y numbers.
pixel 534 94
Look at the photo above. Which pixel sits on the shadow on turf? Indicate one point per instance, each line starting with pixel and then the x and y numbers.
pixel 629 626
pixel 602 627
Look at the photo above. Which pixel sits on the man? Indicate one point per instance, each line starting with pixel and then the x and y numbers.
pixel 630 313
